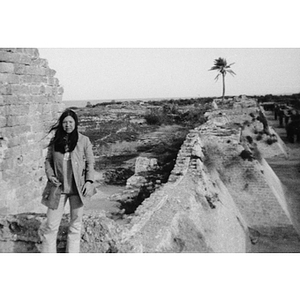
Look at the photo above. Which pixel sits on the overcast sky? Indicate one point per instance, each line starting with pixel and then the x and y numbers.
pixel 124 73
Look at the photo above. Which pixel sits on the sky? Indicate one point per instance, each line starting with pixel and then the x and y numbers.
pixel 131 73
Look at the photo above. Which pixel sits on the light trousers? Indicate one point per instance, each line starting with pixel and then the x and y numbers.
pixel 54 217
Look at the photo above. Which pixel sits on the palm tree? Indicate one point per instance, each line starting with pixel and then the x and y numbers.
pixel 221 66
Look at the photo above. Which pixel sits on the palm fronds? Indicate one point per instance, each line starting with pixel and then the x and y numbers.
pixel 220 65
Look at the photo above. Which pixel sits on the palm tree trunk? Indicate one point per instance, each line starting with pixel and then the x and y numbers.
pixel 223 95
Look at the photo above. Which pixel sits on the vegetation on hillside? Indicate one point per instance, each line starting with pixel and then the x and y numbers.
pixel 171 113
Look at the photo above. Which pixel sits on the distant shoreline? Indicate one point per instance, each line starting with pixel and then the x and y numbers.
pixel 82 103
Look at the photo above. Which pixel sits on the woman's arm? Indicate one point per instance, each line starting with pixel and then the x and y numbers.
pixel 88 188
pixel 90 161
pixel 49 167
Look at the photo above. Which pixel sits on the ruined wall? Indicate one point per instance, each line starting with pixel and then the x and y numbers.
pixel 30 101
pixel 250 182
pixel 193 212
pixel 217 200
pixel 256 189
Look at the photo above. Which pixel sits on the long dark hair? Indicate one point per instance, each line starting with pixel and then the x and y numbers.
pixel 62 141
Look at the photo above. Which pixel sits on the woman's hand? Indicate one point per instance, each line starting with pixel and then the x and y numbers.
pixel 54 180
pixel 86 189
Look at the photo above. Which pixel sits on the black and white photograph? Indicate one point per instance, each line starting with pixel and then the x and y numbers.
pixel 148 150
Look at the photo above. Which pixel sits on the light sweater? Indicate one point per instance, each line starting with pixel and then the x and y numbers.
pixel 69 186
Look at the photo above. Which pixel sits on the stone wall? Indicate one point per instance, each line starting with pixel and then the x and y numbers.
pixel 216 199
pixel 30 101
pixel 254 186
pixel 193 212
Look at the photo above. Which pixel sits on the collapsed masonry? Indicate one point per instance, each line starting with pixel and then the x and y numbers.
pixel 220 197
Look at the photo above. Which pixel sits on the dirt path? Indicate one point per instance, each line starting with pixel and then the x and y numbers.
pixel 288 171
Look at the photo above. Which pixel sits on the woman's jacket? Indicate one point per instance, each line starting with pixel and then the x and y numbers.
pixel 82 160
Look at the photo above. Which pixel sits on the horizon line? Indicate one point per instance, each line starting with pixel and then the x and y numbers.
pixel 187 97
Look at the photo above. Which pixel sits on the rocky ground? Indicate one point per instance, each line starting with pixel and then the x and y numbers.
pixel 287 169
pixel 121 133
pixel 106 198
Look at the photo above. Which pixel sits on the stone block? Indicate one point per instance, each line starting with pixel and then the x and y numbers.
pixel 60 90
pixel 42 89
pixel 10 50
pixel 9 78
pixel 20 89
pixel 1 100
pixel 6 67
pixel 17 110
pixel 18 50
pixel 32 52
pixel 54 91
pixel 39 79
pixel 42 72
pixel 16 131
pixel 6 56
pixel 46 109
pixel 15 141
pixel 17 120
pixel 5 89
pixel 40 62
pixel 14 152
pixel 144 164
pixel 50 72
pixel 24 59
pixel 35 90
pixel 19 69
pixel 7 164
pixel 36 127
pixel 58 99
pixel 135 181
pixel 30 70
pixel 25 78
pixel 52 81
pixel 20 99
pixel 48 90
pixel 11 121
pixel 39 99
pixel 2 121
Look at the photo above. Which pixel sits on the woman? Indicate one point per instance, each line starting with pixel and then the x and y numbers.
pixel 69 167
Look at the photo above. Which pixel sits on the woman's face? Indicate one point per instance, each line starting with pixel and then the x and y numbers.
pixel 68 124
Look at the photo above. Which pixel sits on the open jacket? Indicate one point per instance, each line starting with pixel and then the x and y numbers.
pixel 82 160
